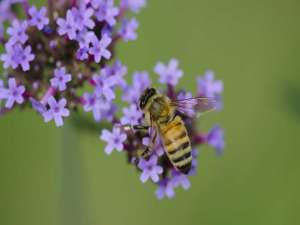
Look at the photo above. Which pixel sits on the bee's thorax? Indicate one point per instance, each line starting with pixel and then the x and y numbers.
pixel 160 110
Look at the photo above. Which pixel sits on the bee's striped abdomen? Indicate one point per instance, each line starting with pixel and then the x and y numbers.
pixel 177 144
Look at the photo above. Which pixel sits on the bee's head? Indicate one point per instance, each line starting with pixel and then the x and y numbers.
pixel 146 95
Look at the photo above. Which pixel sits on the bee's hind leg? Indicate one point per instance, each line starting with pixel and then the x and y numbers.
pixel 146 153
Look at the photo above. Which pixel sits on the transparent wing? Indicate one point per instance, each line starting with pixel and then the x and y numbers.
pixel 195 106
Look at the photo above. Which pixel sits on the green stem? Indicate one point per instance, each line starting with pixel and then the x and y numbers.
pixel 51 10
pixel 72 205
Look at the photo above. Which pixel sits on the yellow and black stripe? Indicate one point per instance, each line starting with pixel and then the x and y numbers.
pixel 177 144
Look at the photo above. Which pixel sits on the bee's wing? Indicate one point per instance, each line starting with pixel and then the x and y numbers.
pixel 196 106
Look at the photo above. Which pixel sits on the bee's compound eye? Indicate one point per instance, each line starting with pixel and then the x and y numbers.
pixel 152 91
pixel 142 104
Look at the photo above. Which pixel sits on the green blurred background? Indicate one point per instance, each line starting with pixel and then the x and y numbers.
pixel 53 176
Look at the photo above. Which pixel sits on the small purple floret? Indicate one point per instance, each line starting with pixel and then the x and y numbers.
pixel 208 86
pixel 56 111
pixel 17 32
pixel 25 58
pixel 169 74
pixel 150 169
pixel 165 188
pixel 91 102
pixel 38 17
pixel 104 85
pixel 140 82
pixel 117 71
pixel 67 26
pixel 193 170
pixel 82 17
pixel 85 37
pixel 38 106
pixel 99 48
pixel 82 53
pixel 132 115
pixel 113 139
pixel 13 94
pixel 215 138
pixel 107 12
pixel 128 29
pixel 134 5
pixel 60 79
pixel 2 92
pixel 16 55
pixel 180 179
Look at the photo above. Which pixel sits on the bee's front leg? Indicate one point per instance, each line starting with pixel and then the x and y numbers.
pixel 135 127
pixel 140 127
pixel 142 130
pixel 148 150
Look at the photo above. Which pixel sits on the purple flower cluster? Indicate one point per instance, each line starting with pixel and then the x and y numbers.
pixel 61 58
pixel 104 83
pixel 56 50
pixel 158 167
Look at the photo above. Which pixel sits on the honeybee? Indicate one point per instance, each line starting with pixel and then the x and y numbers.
pixel 160 115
